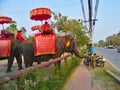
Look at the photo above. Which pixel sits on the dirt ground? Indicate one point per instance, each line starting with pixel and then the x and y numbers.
pixel 81 79
pixel 3 67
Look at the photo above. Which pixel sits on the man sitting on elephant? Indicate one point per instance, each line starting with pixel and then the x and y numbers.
pixel 19 36
pixel 46 29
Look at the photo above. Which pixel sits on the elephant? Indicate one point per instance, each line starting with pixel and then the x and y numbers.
pixel 27 48
pixel 14 52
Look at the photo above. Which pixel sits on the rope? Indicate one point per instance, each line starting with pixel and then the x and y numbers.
pixel 96 9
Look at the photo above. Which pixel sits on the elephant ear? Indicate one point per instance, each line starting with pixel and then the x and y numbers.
pixel 68 43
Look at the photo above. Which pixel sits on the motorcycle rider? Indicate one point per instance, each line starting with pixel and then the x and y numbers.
pixel 92 54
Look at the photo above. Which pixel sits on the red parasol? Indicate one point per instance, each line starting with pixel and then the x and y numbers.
pixel 36 27
pixel 5 19
pixel 40 14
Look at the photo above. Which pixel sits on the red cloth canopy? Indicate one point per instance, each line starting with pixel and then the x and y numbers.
pixel 40 14
pixel 36 27
pixel 5 19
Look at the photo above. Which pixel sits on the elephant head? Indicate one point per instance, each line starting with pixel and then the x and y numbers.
pixel 70 46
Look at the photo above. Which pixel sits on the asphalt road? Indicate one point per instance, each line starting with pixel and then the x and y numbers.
pixel 111 55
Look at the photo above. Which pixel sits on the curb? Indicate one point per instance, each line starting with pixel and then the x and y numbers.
pixel 113 75
pixel 113 65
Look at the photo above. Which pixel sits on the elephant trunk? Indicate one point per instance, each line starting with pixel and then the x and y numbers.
pixel 76 52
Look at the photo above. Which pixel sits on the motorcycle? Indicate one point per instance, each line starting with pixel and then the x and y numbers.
pixel 99 61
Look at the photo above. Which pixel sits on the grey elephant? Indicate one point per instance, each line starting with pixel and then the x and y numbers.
pixel 28 50
pixel 14 52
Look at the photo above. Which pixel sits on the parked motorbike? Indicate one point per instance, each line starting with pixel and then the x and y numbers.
pixel 86 61
pixel 99 61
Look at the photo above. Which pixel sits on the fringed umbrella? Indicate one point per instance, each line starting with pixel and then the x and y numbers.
pixel 40 14
pixel 36 27
pixel 5 19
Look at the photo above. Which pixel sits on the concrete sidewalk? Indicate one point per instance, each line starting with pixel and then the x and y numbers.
pixel 81 80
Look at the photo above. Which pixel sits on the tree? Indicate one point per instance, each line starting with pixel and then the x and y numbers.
pixel 78 30
pixel 118 33
pixel 12 28
pixel 112 40
pixel 101 43
pixel 60 22
pixel 72 26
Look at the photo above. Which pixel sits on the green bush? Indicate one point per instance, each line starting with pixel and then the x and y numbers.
pixel 46 78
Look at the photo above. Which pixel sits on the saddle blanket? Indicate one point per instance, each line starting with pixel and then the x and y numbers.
pixel 5 46
pixel 44 44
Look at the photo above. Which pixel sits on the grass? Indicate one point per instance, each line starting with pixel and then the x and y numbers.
pixel 101 76
pixel 46 78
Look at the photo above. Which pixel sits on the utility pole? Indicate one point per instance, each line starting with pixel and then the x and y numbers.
pixel 90 21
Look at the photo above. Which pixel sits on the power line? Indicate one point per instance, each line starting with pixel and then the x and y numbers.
pixel 84 15
pixel 96 9
pixel 95 13
pixel 91 19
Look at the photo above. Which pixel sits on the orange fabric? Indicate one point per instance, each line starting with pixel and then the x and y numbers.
pixel 5 19
pixel 19 37
pixel 44 44
pixel 5 46
pixel 41 13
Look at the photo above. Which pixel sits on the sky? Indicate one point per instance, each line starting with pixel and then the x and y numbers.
pixel 108 14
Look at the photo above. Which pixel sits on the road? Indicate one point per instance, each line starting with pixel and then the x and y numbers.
pixel 111 55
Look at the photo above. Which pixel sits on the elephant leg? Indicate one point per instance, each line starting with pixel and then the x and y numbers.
pixel 19 62
pixel 38 62
pixel 10 62
pixel 28 65
pixel 28 61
